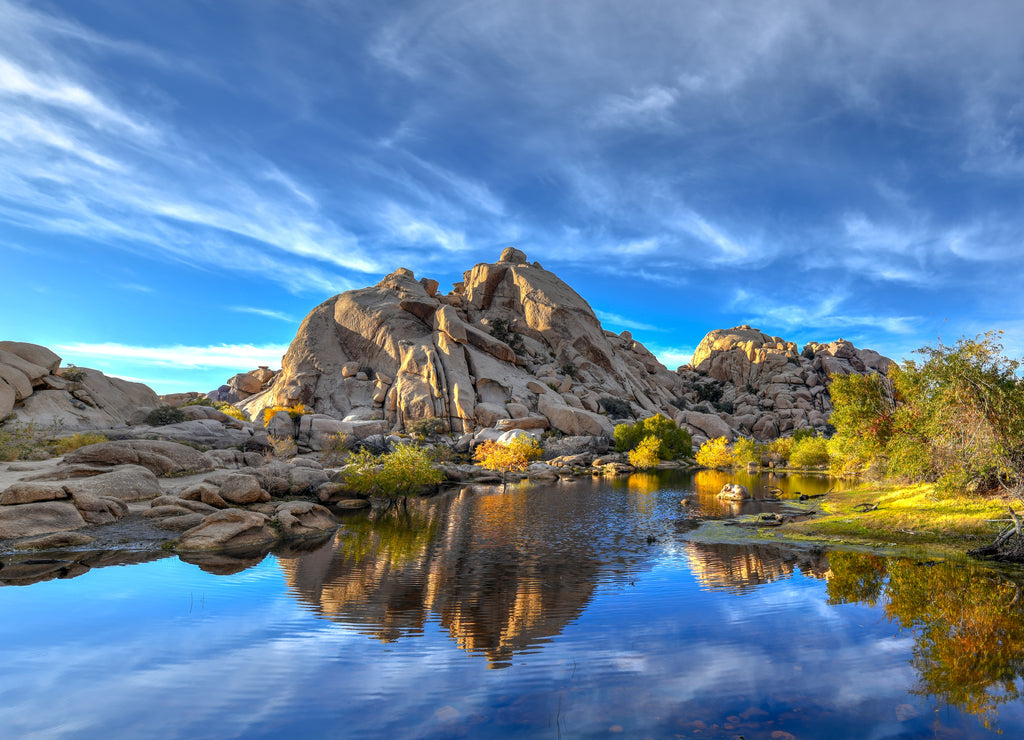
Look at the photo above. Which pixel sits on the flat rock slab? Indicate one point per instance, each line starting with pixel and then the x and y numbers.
pixel 28 520
pixel 228 529
pixel 162 458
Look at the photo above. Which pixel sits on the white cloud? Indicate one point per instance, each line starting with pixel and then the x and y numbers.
pixel 672 357
pixel 645 108
pixel 268 313
pixel 180 356
pixel 616 320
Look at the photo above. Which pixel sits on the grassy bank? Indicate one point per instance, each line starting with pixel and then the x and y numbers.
pixel 884 517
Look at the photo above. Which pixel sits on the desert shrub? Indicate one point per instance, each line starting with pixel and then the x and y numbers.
pixel 295 412
pixel 222 406
pixel 283 446
pixel 515 454
pixel 73 373
pixel 746 451
pixel 404 472
pixel 783 447
pixel 616 407
pixel 809 452
pixel 709 391
pixel 570 370
pixel 18 441
pixel 675 442
pixel 502 331
pixel 164 415
pixel 645 456
pixel 63 445
pixel 715 453
pixel 336 448
pixel 726 407
pixel 428 426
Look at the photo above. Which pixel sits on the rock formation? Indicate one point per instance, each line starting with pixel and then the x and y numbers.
pixel 513 347
pixel 34 388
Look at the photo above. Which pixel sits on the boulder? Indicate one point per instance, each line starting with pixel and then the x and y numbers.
pixel 160 457
pixel 242 489
pixel 24 492
pixel 34 354
pixel 27 520
pixel 228 529
pixel 734 492
pixel 125 483
pixel 304 519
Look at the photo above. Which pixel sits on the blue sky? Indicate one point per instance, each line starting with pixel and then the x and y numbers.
pixel 180 183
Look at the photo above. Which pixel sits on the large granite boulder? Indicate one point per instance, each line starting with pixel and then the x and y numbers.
pixel 228 529
pixel 162 458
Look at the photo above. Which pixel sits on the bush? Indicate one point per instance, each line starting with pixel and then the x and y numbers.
pixel 222 406
pixel 616 407
pixel 503 332
pixel 715 453
pixel 710 391
pixel 809 452
pixel 164 415
pixel 428 426
pixel 404 472
pixel 783 447
pixel 675 442
pixel 645 456
pixel 746 451
pixel 516 454
pixel 336 448
pixel 283 446
pixel 73 374
pixel 570 370
pixel 82 439
pixel 18 441
pixel 295 412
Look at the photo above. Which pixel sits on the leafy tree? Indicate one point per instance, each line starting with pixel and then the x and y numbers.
pixel 809 452
pixel 515 454
pixel 645 456
pixel 746 451
pixel 404 472
pixel 956 419
pixel 674 441
pixel 715 453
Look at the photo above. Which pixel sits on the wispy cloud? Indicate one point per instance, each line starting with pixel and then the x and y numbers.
pixel 671 357
pixel 616 320
pixel 268 313
pixel 819 313
pixel 181 356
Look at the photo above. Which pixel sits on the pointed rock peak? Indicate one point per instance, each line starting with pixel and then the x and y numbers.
pixel 513 255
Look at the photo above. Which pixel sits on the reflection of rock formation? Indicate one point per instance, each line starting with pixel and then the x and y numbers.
pixel 740 567
pixel 500 575
pixel 24 570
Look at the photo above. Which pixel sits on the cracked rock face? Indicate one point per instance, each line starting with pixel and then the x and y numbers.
pixel 512 341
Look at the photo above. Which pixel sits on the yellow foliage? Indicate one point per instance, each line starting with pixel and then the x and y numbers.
pixel 294 412
pixel 82 439
pixel 715 454
pixel 645 455
pixel 514 455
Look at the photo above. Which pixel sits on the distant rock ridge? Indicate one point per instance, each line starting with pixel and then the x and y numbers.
pixel 513 346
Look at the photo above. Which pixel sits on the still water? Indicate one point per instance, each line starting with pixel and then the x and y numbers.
pixel 577 609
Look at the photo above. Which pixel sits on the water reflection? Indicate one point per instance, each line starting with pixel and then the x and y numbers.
pixel 739 568
pixel 968 624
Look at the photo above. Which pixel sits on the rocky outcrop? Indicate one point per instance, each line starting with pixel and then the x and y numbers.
pixel 511 335
pixel 742 381
pixel 34 388
pixel 162 458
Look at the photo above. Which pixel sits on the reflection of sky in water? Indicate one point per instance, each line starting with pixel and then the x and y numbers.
pixel 166 650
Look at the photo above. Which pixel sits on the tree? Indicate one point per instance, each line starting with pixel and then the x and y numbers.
pixel 404 472
pixel 715 453
pixel 516 454
pixel 674 442
pixel 746 451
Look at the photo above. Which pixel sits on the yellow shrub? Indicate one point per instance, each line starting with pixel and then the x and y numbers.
pixel 514 455
pixel 715 454
pixel 294 412
pixel 82 439
pixel 645 455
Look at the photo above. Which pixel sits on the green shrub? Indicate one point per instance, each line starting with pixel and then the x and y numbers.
pixel 746 451
pixel 675 442
pixel 616 407
pixel 571 371
pixel 809 452
pixel 336 448
pixel 404 472
pixel 223 406
pixel 63 445
pixel 425 428
pixel 73 374
pixel 18 441
pixel 503 332
pixel 164 415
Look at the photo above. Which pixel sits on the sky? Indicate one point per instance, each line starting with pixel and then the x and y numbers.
pixel 181 183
